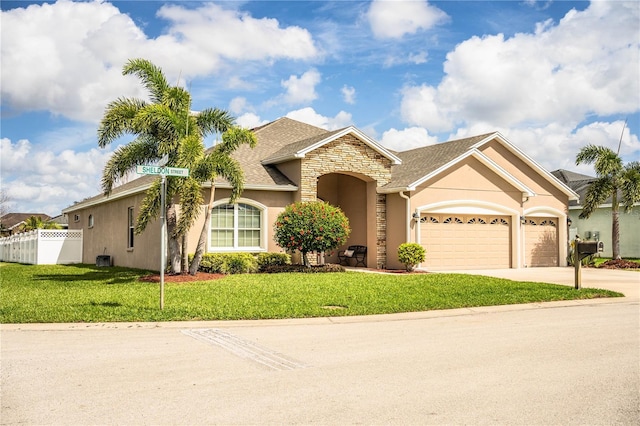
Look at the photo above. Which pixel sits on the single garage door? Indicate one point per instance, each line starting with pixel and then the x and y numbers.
pixel 466 241
pixel 541 241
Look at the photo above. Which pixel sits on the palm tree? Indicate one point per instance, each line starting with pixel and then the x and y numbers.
pixel 218 162
pixel 165 127
pixel 614 180
pixel 36 222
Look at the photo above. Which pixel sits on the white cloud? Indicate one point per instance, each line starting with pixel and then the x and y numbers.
pixel 395 18
pixel 250 120
pixel 348 94
pixel 584 65
pixel 238 105
pixel 67 57
pixel 310 116
pixel 46 181
pixel 409 138
pixel 301 89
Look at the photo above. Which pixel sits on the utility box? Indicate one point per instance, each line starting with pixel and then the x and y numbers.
pixel 103 260
pixel 590 247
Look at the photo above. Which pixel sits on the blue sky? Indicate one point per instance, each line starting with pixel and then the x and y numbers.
pixel 551 76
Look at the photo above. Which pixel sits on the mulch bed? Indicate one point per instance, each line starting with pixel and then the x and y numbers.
pixel 620 264
pixel 180 278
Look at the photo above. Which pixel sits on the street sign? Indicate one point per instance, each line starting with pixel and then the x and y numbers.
pixel 163 171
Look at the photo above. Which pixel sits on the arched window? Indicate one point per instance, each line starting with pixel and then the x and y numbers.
pixel 236 227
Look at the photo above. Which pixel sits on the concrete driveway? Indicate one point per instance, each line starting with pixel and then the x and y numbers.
pixel 546 363
pixel 626 282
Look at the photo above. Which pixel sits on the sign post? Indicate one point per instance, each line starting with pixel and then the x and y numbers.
pixel 163 172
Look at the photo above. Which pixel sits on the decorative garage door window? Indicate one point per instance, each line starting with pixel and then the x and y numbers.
pixel 465 219
pixel 236 226
pixel 542 222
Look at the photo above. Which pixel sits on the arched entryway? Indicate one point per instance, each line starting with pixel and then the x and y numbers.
pixel 356 195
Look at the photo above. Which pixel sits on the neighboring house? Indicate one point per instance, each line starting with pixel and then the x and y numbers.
pixel 477 202
pixel 598 226
pixel 12 223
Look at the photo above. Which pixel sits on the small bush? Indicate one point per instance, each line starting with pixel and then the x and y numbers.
pixel 228 263
pixel 329 267
pixel 411 254
pixel 266 260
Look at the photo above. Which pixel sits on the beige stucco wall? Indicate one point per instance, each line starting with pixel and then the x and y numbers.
pixel 397 228
pixel 109 234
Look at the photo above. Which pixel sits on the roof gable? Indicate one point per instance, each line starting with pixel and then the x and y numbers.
pixel 301 148
pixel 421 164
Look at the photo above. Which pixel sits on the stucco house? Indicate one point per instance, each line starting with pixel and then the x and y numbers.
pixel 598 226
pixel 477 202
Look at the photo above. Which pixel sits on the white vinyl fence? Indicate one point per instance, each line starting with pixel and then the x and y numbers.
pixel 43 247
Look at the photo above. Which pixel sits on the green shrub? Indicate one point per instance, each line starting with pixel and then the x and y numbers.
pixel 228 263
pixel 266 260
pixel 311 226
pixel 411 254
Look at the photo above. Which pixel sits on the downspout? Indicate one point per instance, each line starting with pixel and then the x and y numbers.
pixel 407 216
pixel 523 223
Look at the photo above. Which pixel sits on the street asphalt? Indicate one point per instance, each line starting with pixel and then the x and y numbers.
pixel 556 363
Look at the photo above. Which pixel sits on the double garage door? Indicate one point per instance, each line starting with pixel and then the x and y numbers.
pixel 484 242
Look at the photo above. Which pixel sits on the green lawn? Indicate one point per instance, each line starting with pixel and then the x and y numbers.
pixel 85 293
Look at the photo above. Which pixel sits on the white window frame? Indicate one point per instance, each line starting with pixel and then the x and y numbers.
pixel 90 221
pixel 235 248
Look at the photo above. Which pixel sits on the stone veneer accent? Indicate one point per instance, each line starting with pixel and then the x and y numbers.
pixel 349 154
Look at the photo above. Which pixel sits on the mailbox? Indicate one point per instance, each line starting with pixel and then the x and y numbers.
pixel 590 247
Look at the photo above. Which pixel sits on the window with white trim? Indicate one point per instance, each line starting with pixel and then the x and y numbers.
pixel 236 227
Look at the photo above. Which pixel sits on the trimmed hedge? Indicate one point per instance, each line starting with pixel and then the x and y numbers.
pixel 246 263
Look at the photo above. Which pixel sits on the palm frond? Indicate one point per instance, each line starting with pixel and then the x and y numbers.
pixel 631 185
pixel 141 151
pixel 234 137
pixel 118 119
pixel 150 206
pixel 597 194
pixel 214 120
pixel 191 201
pixel 151 76
pixel 605 161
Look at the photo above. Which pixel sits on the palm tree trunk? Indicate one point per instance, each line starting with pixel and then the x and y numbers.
pixel 615 225
pixel 185 255
pixel 174 246
pixel 202 240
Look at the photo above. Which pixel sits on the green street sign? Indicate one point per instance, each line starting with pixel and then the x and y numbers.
pixel 164 171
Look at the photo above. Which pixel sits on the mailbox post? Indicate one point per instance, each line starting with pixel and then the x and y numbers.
pixel 584 249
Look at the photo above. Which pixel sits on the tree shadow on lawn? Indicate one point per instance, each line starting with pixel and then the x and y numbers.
pixel 106 274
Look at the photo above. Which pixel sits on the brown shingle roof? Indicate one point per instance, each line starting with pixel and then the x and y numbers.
pixel 272 137
pixel 420 162
pixel 11 220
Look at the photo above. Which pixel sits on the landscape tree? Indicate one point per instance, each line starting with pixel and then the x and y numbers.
pixel 165 129
pixel 311 226
pixel 36 222
pixel 218 162
pixel 615 181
